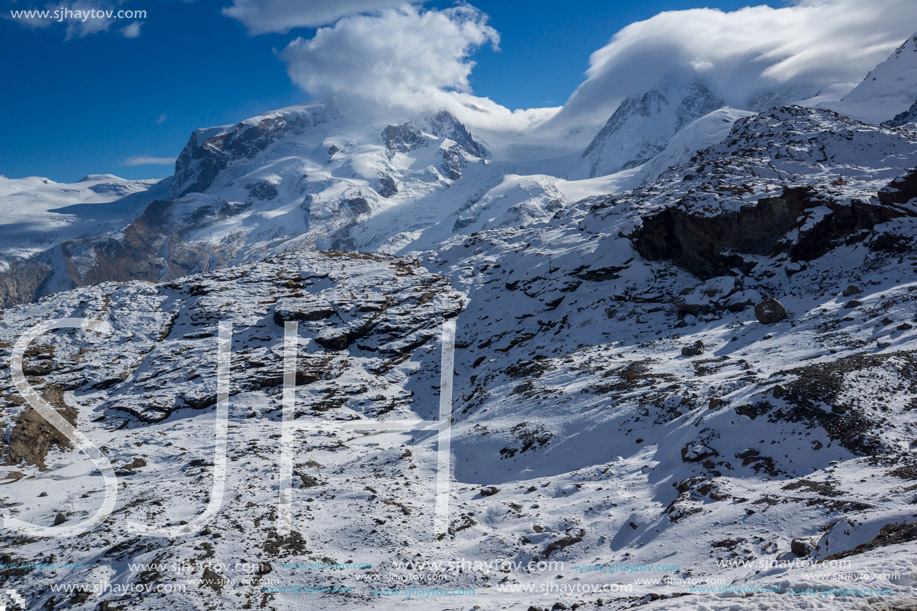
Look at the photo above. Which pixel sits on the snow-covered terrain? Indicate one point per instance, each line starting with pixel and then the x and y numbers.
pixel 887 91
pixel 690 383
pixel 36 213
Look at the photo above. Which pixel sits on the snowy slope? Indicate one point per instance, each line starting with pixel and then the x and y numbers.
pixel 889 89
pixel 699 134
pixel 609 449
pixel 641 126
pixel 36 213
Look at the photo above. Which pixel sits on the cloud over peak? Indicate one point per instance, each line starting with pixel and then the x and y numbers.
pixel 812 44
pixel 401 56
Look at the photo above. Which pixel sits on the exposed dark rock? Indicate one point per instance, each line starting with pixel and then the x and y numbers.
pixel 387 186
pixel 574 535
pixel 890 534
pixel 20 283
pixel 769 311
pixel 696 452
pixel 710 246
pixel 899 191
pixel 403 138
pixel 357 205
pixel 902 118
pixel 851 290
pixel 445 125
pixel 695 350
pixel 32 436
pixel 598 274
pixel 453 162
pixel 801 547
pixel 820 385
pixel 204 157
pixel 262 190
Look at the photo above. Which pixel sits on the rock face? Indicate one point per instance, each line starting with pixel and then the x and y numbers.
pixel 900 191
pixel 408 137
pixel 851 290
pixel 330 295
pixel 21 281
pixel 769 311
pixel 403 138
pixel 32 437
pixel 703 234
pixel 697 452
pixel 801 547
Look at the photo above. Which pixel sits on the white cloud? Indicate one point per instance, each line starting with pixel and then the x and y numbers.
pixel 78 27
pixel 402 57
pixel 147 160
pixel 161 119
pixel 132 31
pixel 817 43
pixel 261 16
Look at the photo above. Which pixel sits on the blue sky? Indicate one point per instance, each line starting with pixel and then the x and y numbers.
pixel 86 104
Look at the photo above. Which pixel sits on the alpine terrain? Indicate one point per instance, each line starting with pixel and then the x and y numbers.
pixel 683 375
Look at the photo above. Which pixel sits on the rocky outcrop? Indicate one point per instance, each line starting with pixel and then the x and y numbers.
pixel 154 246
pixel 21 281
pixel 900 191
pixel 713 245
pixel 403 138
pixel 409 136
pixel 902 118
pixel 445 125
pixel 32 437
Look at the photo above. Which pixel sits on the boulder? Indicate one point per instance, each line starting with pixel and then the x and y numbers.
pixel 851 290
pixel 695 350
pixel 769 311
pixel 801 547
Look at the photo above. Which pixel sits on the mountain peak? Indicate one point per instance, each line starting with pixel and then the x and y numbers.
pixel 642 125
pixel 888 90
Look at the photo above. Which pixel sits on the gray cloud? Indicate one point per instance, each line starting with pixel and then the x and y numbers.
pixel 147 160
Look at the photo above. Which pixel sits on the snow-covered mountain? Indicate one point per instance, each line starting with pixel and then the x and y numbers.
pixel 616 398
pixel 690 383
pixel 887 91
pixel 37 212
pixel 38 215
pixel 642 125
